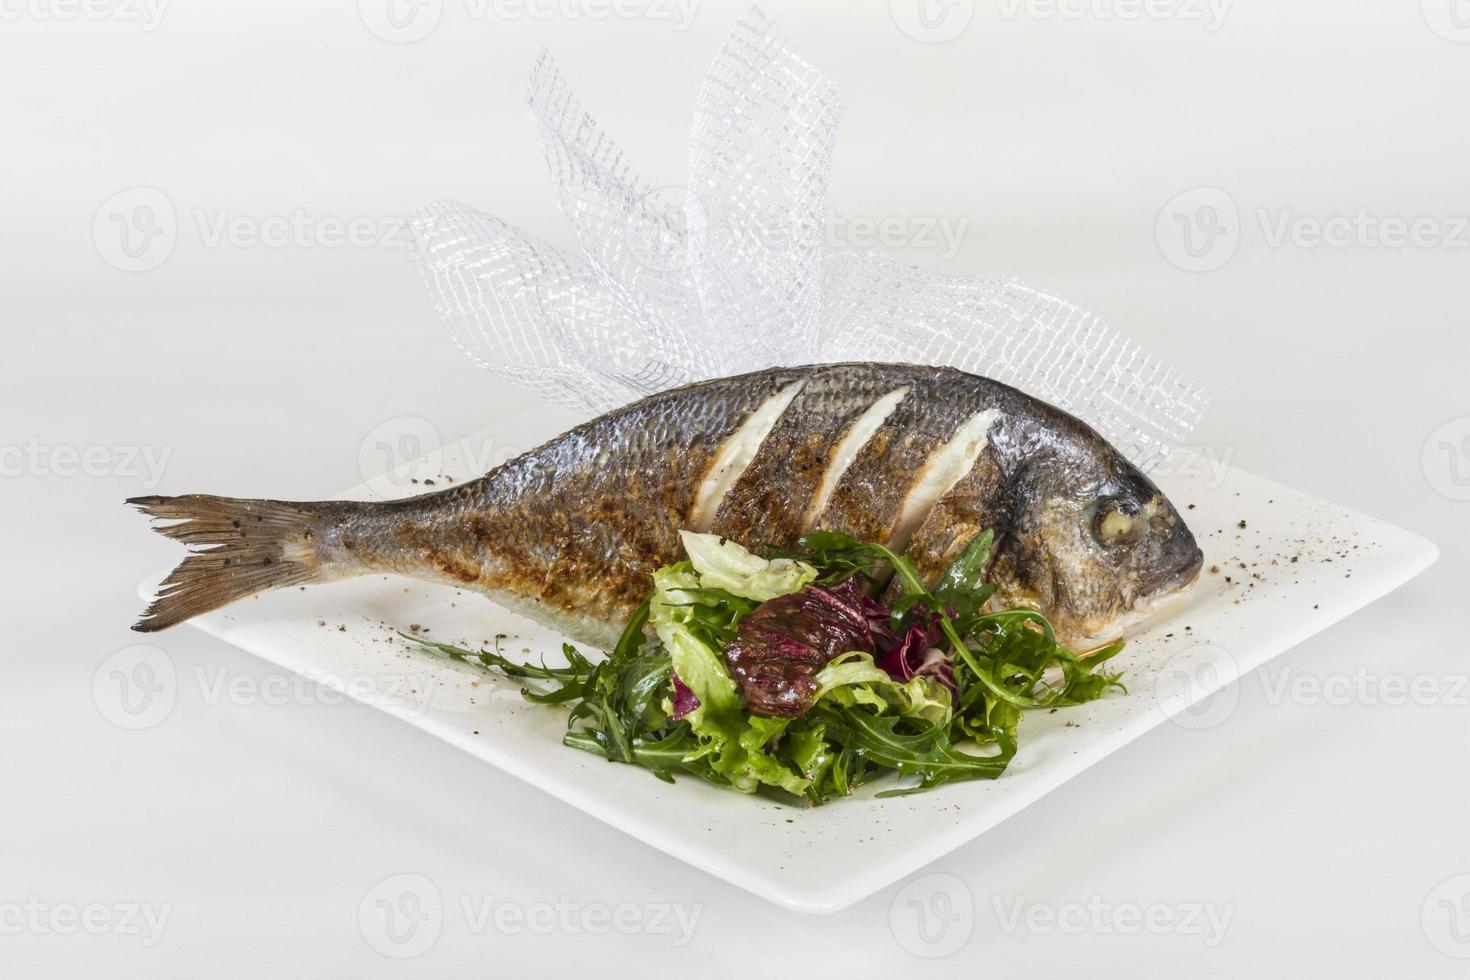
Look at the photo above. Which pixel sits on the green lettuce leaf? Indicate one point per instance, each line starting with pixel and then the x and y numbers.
pixel 723 564
pixel 853 679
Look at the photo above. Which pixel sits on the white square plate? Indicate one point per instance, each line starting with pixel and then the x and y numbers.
pixel 1280 566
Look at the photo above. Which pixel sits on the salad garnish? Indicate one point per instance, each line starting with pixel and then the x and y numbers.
pixel 785 675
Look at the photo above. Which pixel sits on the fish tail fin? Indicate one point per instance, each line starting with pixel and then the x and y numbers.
pixel 243 547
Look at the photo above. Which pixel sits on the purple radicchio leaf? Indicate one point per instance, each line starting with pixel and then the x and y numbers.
pixel 684 699
pixel 917 654
pixel 779 648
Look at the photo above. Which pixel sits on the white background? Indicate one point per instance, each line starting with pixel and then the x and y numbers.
pixel 1324 826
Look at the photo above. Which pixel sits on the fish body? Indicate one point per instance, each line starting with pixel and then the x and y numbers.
pixel 918 458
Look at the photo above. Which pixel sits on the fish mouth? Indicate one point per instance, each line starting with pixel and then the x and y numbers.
pixel 1186 575
pixel 1179 566
pixel 1166 589
pixel 1169 587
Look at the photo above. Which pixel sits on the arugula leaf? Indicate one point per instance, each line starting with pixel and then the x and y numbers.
pixel 961 589
pixel 927 753
pixel 661 756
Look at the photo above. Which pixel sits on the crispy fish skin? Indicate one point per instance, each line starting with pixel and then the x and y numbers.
pixel 571 532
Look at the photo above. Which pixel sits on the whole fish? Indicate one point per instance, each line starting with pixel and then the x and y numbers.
pixel 920 459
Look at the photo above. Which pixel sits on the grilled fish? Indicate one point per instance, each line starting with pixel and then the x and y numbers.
pixel 918 458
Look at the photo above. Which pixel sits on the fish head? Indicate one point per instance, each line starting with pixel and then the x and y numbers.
pixel 1096 544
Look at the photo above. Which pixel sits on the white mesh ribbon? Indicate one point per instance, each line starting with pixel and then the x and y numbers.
pixel 733 273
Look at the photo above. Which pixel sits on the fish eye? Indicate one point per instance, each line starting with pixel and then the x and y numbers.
pixel 1116 523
